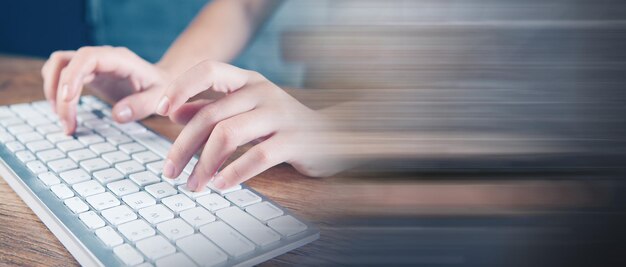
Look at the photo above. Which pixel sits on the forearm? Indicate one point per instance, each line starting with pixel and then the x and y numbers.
pixel 219 32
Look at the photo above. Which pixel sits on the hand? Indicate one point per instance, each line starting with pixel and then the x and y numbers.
pixel 253 108
pixel 115 71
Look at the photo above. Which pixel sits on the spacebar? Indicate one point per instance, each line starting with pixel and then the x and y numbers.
pixel 153 142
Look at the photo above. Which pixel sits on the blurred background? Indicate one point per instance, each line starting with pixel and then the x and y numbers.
pixel 494 130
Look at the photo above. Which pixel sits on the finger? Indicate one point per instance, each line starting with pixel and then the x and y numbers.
pixel 184 114
pixel 135 106
pixel 201 125
pixel 207 75
pixel 227 136
pixel 50 73
pixel 256 160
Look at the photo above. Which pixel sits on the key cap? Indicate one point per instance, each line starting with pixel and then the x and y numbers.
pixel 109 237
pixel 95 124
pixel 91 219
pixel 129 255
pixel 19 128
pixel 119 215
pixel 224 191
pixel 178 203
pixel 191 194
pixel 15 146
pixel 155 247
pixel 81 131
pixel 123 187
pixel 287 225
pixel 107 131
pixel 62 191
pixel 40 145
pixel 175 229
pixel 88 188
pixel 129 167
pixel 25 110
pixel 48 128
pixel 132 148
pixel 139 200
pixel 181 179
pixel 144 178
pixel 38 121
pixel 69 145
pixel 81 154
pixel 160 190
pixel 156 167
pixel 227 238
pixel 146 157
pixel 29 137
pixel 6 137
pixel 93 165
pixel 190 165
pixel 76 204
pixel 25 156
pixel 58 137
pixel 201 250
pixel 102 201
pixel 153 142
pixel 85 116
pixel 119 139
pixel 75 176
pixel 136 230
pixel 61 165
pixel 156 214
pixel 48 178
pixel 175 260
pixel 197 216
pixel 36 167
pixel 108 175
pixel 243 197
pixel 102 148
pixel 250 227
pixel 6 122
pixel 115 157
pixel 6 112
pixel 264 211
pixel 90 139
pixel 213 202
pixel 50 155
pixel 130 127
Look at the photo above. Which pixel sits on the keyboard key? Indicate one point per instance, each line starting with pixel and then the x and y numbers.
pixel 192 194
pixel 129 167
pixel 155 247
pixel 25 110
pixel 88 188
pixel 115 157
pixel 91 219
pixel 49 178
pixel 156 214
pixel 70 145
pixel 197 216
pixel 139 200
pixel 62 191
pixel 102 201
pixel 119 139
pixel 146 157
pixel 38 121
pixel 153 142
pixel 144 178
pixel 107 131
pixel 243 197
pixel 96 123
pixel 136 230
pixel 156 167
pixel 118 215
pixel 36 167
pixel 29 137
pixel 58 137
pixel 161 190
pixel 224 191
pixel 178 203
pixel 227 238
pixel 93 165
pixel 287 225
pixel 190 165
pixel 264 211
pixel 109 237
pixel 128 255
pixel 175 229
pixel 25 156
pixel 201 250
pixel 132 148
pixel 80 155
pixel 61 165
pixel 50 155
pixel 175 260
pixel 10 121
pixel 40 145
pixel 102 148
pixel 108 175
pixel 181 179
pixel 6 137
pixel 213 202
pixel 48 129
pixel 130 127
pixel 250 227
pixel 76 204
pixel 123 187
pixel 19 128
pixel 75 176
pixel 90 139
pixel 15 146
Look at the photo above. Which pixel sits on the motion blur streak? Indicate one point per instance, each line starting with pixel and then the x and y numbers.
pixel 494 131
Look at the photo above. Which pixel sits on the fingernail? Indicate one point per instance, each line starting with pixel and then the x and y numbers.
pixel 125 114
pixel 169 169
pixel 192 183
pixel 65 92
pixel 163 106
pixel 218 182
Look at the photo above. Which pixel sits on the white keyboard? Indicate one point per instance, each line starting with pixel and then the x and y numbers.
pixel 101 193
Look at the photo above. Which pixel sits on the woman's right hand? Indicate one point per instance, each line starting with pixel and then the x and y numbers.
pixel 115 71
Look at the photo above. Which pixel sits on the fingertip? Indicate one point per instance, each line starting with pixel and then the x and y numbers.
pixel 163 106
pixel 122 113
pixel 219 182
pixel 169 169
